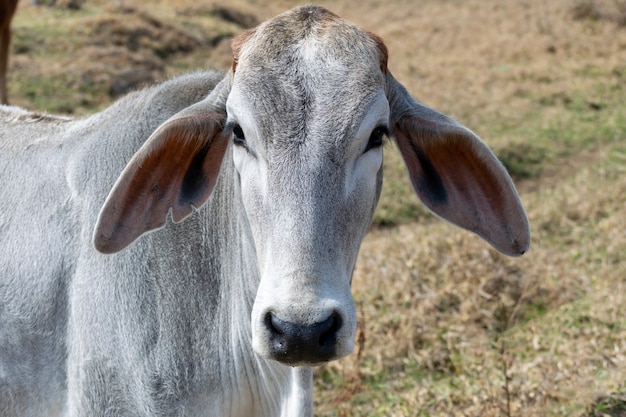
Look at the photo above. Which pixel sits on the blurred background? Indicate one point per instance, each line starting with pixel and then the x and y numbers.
pixel 448 326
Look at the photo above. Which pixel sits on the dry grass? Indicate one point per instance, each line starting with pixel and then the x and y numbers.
pixel 453 328
pixel 439 307
pixel 448 326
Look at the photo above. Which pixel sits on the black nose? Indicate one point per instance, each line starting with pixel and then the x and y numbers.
pixel 294 344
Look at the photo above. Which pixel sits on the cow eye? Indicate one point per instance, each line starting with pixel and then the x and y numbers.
pixel 377 137
pixel 238 136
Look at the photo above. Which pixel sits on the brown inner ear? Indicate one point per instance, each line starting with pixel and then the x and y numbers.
pixel 451 180
pixel 452 170
pixel 176 168
pixel 462 182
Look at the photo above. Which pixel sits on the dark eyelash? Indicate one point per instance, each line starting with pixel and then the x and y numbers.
pixel 238 136
pixel 377 137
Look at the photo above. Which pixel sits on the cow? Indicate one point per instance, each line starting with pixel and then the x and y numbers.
pixel 189 250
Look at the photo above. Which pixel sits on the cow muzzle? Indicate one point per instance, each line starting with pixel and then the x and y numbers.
pixel 303 319
pixel 295 344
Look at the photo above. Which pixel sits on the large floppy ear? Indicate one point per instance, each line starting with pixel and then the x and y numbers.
pixel 174 171
pixel 456 175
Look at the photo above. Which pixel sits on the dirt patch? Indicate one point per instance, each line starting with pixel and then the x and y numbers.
pixel 559 169
pixel 226 13
pixel 137 31
pixel 612 11
pixel 115 69
pixel 129 48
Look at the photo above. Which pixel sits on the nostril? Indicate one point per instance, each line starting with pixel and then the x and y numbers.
pixel 332 324
pixel 275 324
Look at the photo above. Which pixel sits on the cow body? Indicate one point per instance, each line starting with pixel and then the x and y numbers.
pixel 156 327
pixel 261 182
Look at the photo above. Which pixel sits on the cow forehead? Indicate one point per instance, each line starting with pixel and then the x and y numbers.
pixel 309 31
pixel 307 50
pixel 308 70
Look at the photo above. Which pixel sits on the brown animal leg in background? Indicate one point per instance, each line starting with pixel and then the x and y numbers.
pixel 7 9
pixel 4 59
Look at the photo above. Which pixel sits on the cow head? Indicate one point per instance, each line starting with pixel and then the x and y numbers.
pixel 307 105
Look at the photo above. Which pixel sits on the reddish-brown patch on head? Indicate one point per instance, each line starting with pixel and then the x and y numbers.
pixel 237 45
pixel 383 52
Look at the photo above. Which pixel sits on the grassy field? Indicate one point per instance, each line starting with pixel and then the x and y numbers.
pixel 448 327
